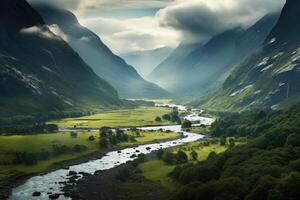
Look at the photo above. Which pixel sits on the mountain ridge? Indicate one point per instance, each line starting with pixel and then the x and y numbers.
pixel 269 78
pixel 40 73
pixel 213 60
pixel 95 53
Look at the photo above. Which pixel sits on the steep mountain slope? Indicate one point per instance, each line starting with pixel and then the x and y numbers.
pixel 115 70
pixel 145 61
pixel 271 76
pixel 214 60
pixel 39 72
pixel 164 74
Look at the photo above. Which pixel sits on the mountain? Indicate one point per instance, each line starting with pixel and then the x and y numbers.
pixel 270 77
pixel 96 54
pixel 39 72
pixel 145 61
pixel 193 71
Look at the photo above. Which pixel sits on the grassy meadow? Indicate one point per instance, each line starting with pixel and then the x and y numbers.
pixel 117 118
pixel 158 170
pixel 9 145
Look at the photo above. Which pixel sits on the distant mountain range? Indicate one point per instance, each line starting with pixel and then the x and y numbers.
pixel 270 77
pixel 40 72
pixel 145 61
pixel 96 54
pixel 194 69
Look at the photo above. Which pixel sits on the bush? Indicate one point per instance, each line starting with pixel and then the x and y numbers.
pixel 166 117
pixel 103 143
pixel 169 158
pixel 79 148
pixel 59 149
pixel 181 157
pixel 186 124
pixel 194 155
pixel 73 134
pixel 293 140
pixel 92 138
pixel 158 119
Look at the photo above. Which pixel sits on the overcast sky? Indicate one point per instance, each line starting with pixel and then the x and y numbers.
pixel 135 25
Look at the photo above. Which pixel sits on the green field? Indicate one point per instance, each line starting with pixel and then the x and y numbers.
pixel 157 170
pixel 117 118
pixel 9 145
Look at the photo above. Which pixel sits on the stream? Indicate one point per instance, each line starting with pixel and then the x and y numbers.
pixel 52 182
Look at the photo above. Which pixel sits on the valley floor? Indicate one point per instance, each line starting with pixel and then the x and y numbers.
pixel 44 144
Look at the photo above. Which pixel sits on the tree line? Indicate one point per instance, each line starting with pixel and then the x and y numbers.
pixel 267 168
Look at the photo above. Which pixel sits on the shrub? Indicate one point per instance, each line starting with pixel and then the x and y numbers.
pixel 73 134
pixel 92 138
pixel 158 119
pixel 103 143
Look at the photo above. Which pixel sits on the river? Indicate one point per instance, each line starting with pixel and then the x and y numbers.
pixel 50 182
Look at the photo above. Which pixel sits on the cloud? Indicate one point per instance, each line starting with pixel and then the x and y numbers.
pixel 201 19
pixel 57 31
pixel 127 35
pixel 39 31
pixel 176 20
pixel 84 5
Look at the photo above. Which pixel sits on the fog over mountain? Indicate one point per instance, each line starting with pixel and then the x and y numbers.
pixel 114 69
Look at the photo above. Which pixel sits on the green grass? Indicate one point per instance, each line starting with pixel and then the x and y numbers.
pixel 157 170
pixel 118 118
pixel 200 130
pixel 150 136
pixel 35 143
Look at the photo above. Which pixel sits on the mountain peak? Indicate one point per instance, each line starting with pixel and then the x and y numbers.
pixel 288 26
pixel 18 14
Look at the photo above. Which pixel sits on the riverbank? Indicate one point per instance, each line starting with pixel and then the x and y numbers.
pixel 50 182
pixel 104 185
pixel 21 178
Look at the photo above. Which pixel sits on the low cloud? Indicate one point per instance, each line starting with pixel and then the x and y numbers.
pixel 57 31
pixel 129 35
pixel 42 32
pixel 201 19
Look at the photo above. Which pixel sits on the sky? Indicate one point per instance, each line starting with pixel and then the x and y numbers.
pixel 137 25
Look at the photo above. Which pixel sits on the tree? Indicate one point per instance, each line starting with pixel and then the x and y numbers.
pixel 231 142
pixel 73 134
pixel 160 153
pixel 293 140
pixel 158 119
pixel 194 155
pixel 223 141
pixel 181 157
pixel 103 142
pixel 166 117
pixel 168 157
pixel 91 138
pixel 186 124
pixel 105 131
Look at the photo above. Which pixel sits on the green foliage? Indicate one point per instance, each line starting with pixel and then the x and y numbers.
pixel 160 153
pixel 186 124
pixel 158 119
pixel 73 134
pixel 194 155
pixel 103 143
pixel 92 138
pixel 181 157
pixel 28 129
pixel 265 168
